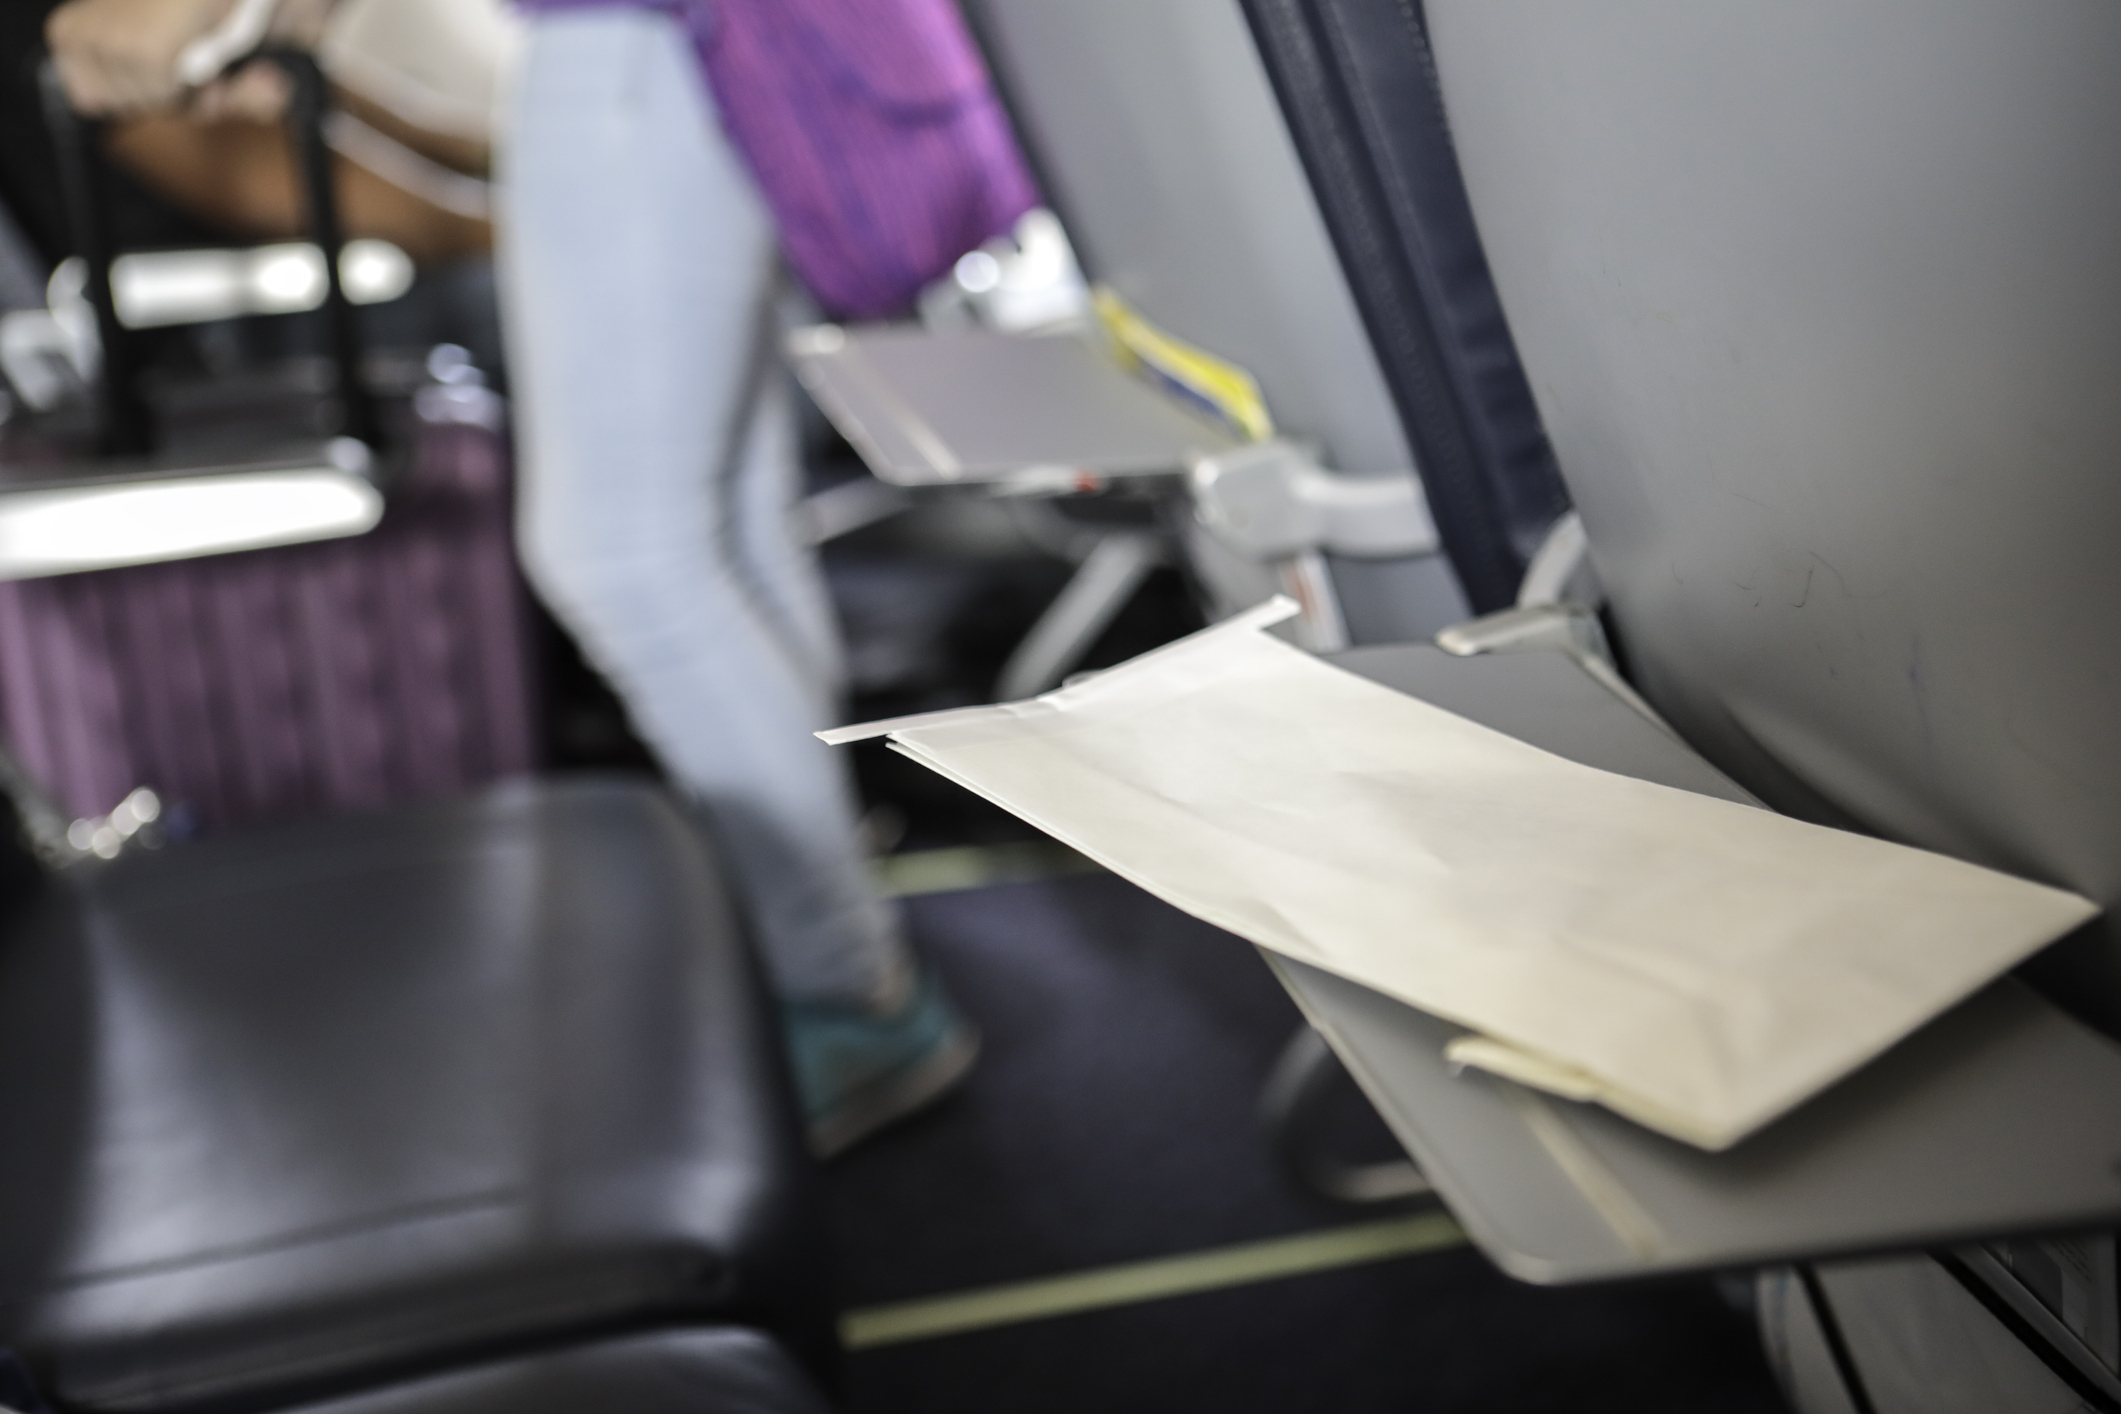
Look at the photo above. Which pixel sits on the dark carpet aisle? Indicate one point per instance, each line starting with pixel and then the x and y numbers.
pixel 1112 1120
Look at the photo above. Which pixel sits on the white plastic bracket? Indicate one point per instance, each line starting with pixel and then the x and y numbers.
pixel 1272 500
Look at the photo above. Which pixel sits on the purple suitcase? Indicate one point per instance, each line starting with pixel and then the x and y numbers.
pixel 334 675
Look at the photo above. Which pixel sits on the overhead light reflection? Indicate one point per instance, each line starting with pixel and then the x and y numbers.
pixel 64 530
pixel 151 289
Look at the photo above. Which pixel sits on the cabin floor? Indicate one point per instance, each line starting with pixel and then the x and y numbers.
pixel 1112 1119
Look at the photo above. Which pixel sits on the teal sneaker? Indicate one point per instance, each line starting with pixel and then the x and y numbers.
pixel 858 1071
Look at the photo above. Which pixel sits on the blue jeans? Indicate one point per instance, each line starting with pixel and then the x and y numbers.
pixel 657 436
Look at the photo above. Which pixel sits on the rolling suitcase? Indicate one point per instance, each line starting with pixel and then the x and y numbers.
pixel 331 675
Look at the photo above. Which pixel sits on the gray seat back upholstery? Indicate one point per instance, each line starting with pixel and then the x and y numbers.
pixel 1821 303
pixel 1159 141
pixel 1358 88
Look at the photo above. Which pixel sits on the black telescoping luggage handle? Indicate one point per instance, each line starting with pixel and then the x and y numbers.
pixel 124 424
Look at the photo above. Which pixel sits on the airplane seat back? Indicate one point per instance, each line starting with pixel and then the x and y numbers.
pixel 1358 90
pixel 1158 140
pixel 1819 304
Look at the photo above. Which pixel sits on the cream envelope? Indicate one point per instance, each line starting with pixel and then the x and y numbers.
pixel 1696 965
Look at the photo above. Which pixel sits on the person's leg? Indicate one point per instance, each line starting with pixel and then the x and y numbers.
pixel 636 261
pixel 782 573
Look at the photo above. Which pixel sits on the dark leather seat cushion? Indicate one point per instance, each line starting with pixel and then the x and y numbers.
pixel 711 1371
pixel 288 1111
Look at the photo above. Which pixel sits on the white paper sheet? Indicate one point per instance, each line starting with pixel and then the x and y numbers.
pixel 1698 966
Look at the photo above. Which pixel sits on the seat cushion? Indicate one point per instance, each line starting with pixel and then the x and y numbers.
pixel 289 1109
pixel 712 1371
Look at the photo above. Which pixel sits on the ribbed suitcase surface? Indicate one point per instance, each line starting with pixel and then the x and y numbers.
pixel 336 675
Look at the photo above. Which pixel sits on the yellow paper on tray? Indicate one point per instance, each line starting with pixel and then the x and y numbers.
pixel 1215 385
pixel 1696 965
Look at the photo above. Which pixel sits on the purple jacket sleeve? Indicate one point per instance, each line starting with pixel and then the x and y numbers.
pixel 873 130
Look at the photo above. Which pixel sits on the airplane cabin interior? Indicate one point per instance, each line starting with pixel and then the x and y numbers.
pixel 927 706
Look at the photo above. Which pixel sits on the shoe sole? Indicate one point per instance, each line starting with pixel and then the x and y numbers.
pixel 895 1097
